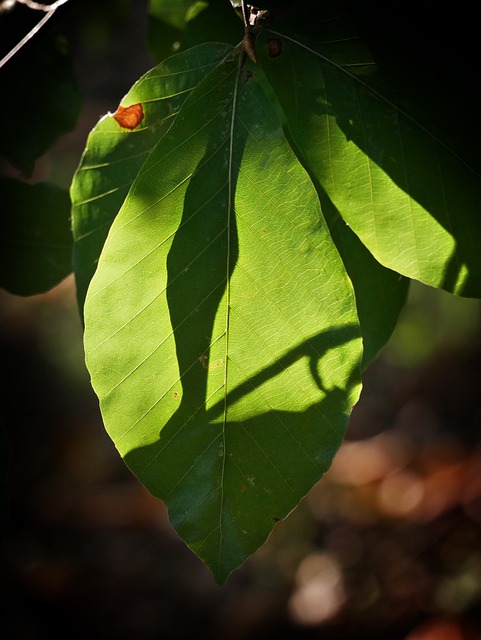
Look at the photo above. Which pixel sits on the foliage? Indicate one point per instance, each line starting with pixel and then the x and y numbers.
pixel 245 229
pixel 36 241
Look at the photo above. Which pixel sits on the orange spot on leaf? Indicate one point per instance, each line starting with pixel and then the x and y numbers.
pixel 129 117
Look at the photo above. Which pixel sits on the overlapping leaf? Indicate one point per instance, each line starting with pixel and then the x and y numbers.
pixel 411 200
pixel 176 25
pixel 115 153
pixel 223 322
pixel 221 327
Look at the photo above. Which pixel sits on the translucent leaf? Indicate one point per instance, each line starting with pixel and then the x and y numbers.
pixel 221 327
pixel 396 181
pixel 176 25
pixel 261 232
pixel 176 12
pixel 115 150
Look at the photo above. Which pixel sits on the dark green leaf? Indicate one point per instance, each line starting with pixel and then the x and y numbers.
pixel 35 239
pixel 40 97
pixel 178 25
pixel 176 12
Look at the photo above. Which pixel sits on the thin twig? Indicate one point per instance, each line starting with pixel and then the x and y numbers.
pixel 38 6
pixel 49 11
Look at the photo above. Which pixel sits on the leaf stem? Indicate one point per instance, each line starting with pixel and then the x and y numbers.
pixel 230 213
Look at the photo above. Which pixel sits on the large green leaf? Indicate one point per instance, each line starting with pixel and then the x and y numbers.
pixel 401 188
pixel 221 330
pixel 115 152
pixel 261 231
pixel 35 238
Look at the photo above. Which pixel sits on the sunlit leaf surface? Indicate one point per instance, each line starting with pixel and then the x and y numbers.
pixel 115 152
pixel 411 200
pixel 261 219
pixel 221 328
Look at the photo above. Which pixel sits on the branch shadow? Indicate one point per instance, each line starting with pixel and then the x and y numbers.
pixel 234 477
pixel 200 263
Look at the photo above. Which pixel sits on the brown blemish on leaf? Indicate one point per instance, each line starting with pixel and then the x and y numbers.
pixel 129 117
pixel 274 47
pixel 204 361
pixel 176 395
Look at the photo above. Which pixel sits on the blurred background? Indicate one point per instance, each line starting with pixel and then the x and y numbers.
pixel 387 545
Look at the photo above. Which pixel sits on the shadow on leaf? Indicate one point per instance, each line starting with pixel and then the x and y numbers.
pixel 236 478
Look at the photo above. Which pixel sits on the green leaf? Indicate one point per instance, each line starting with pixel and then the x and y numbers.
pixel 221 330
pixel 380 293
pixel 115 153
pixel 179 25
pixel 400 187
pixel 176 12
pixel 35 239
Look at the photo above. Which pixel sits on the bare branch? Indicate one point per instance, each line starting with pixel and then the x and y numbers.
pixel 49 9
pixel 6 5
pixel 39 6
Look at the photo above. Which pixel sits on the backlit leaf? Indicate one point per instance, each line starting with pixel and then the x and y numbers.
pixel 221 328
pixel 401 188
pixel 116 150
pixel 254 222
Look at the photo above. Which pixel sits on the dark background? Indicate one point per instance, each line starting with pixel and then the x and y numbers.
pixel 386 546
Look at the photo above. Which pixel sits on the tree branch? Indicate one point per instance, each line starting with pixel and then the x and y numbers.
pixel 38 6
pixel 49 10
